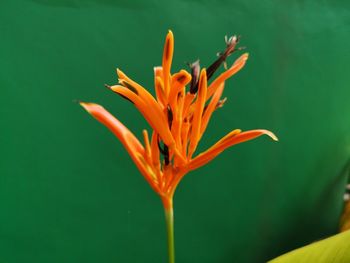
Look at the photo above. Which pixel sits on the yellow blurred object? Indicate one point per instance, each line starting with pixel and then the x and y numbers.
pixel 345 218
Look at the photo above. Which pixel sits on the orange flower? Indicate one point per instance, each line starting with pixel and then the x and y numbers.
pixel 178 119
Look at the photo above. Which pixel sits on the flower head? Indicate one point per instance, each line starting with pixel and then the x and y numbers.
pixel 178 115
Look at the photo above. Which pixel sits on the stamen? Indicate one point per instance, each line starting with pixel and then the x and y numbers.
pixel 230 48
pixel 195 69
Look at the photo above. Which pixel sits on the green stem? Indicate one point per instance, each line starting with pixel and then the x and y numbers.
pixel 169 218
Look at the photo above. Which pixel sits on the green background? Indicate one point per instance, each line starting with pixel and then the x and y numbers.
pixel 70 193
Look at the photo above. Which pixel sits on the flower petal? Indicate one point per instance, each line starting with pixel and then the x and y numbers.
pixel 186 111
pixel 151 105
pixel 167 60
pixel 211 107
pixel 127 138
pixel 153 117
pixel 155 150
pixel 237 66
pixel 159 86
pixel 233 138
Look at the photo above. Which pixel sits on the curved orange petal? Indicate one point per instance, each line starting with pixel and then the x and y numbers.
pixel 127 138
pixel 178 120
pixel 148 152
pixel 186 111
pixel 211 107
pixel 151 105
pixel 159 86
pixel 233 138
pixel 184 136
pixel 155 150
pixel 237 66
pixel 139 90
pixel 153 117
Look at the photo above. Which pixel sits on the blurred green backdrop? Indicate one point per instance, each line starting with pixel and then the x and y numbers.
pixel 70 193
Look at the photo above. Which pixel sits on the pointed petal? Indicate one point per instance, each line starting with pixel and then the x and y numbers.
pixel 151 105
pixel 187 104
pixel 198 111
pixel 237 66
pixel 167 60
pixel 155 150
pixel 139 90
pixel 149 113
pixel 178 120
pixel 159 86
pixel 184 136
pixel 148 152
pixel 211 107
pixel 233 138
pixel 127 138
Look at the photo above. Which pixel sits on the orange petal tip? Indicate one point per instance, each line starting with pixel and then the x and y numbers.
pixel 120 74
pixel 89 106
pixel 272 136
pixel 114 87
pixel 84 104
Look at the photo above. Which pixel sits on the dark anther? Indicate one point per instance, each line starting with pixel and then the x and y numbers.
pixel 164 151
pixel 195 69
pixel 230 48
pixel 170 116
pixel 129 86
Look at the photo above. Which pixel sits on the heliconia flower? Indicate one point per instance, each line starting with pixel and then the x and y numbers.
pixel 178 118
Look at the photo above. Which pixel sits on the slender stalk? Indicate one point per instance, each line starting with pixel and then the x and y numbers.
pixel 169 219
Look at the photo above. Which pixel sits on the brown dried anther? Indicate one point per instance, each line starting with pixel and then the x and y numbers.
pixel 195 70
pixel 231 44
